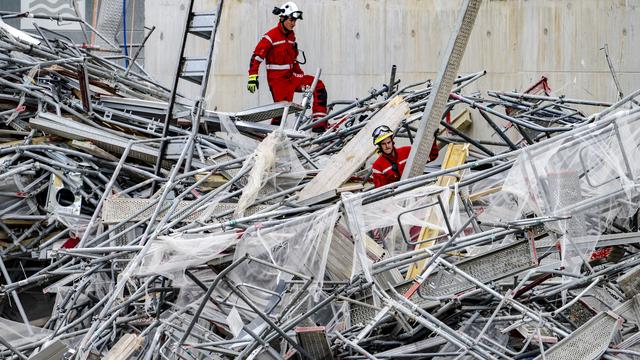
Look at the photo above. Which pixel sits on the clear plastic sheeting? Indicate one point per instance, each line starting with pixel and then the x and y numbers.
pixel 300 246
pixel 275 162
pixel 492 204
pixel 240 145
pixel 77 225
pixel 170 255
pixel 396 221
pixel 588 174
pixel 17 334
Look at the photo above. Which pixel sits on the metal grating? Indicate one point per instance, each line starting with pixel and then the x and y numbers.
pixel 117 210
pixel 494 265
pixel 565 192
pixel 314 341
pixel 360 314
pixel 579 313
pixel 440 92
pixel 588 342
pixel 109 21
pixel 267 112
pixel 629 310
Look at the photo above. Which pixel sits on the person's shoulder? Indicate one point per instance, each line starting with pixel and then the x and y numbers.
pixel 273 31
pixel 380 161
pixel 404 150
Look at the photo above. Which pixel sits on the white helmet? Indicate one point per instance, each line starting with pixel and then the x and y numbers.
pixel 289 9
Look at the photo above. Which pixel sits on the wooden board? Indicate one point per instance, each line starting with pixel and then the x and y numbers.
pixel 125 347
pixel 35 141
pixel 93 150
pixel 354 154
pixel 456 155
pixel 461 122
pixel 212 181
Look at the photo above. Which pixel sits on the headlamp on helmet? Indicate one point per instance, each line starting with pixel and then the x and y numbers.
pixel 289 10
pixel 380 133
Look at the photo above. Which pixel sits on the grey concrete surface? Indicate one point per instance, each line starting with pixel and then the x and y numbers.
pixel 356 42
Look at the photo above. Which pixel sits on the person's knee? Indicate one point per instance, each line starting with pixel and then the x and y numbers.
pixel 321 94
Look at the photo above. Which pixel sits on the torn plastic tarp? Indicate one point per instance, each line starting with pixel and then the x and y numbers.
pixel 170 255
pixel 274 161
pixel 17 334
pixel 588 174
pixel 240 145
pixel 300 245
pixel 416 209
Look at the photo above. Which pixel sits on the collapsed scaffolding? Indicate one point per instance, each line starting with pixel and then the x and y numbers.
pixel 251 240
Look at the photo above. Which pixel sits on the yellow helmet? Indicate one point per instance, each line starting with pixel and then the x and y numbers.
pixel 380 133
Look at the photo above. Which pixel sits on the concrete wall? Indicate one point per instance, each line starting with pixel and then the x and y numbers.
pixel 356 42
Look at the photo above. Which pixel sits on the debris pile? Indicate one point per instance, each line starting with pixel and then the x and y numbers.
pixel 243 239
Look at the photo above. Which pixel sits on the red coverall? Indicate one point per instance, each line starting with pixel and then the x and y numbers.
pixel 284 75
pixel 388 169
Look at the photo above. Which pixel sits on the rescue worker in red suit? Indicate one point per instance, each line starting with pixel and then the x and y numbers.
pixel 278 48
pixel 388 169
pixel 389 166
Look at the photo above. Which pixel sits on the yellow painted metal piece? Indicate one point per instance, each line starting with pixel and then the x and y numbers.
pixel 456 155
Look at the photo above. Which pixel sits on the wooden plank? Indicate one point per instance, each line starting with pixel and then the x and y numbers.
pixel 212 181
pixel 125 347
pixel 35 141
pixel 461 122
pixel 456 155
pixel 354 154
pixel 485 192
pixel 93 150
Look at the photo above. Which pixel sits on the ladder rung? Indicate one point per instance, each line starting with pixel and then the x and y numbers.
pixel 202 24
pixel 193 69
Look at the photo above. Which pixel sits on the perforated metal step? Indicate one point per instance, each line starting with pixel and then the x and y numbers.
pixel 494 265
pixel 267 111
pixel 588 342
pixel 118 210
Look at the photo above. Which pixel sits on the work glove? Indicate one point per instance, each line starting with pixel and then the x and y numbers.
pixel 252 84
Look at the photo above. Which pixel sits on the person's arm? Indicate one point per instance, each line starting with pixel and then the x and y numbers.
pixel 378 178
pixel 296 67
pixel 259 54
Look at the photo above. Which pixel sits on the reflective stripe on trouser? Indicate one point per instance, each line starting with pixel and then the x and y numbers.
pixel 282 89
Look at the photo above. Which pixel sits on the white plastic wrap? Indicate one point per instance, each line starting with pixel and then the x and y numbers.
pixel 170 255
pixel 379 220
pixel 588 174
pixel 299 245
pixel 273 161
pixel 77 225
pixel 240 145
pixel 17 334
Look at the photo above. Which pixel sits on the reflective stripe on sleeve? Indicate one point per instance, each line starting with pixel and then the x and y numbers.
pixel 387 169
pixel 278 66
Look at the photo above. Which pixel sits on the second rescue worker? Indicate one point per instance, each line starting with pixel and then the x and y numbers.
pixel 279 50
pixel 389 166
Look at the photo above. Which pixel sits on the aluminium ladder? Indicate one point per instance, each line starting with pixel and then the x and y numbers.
pixel 195 70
